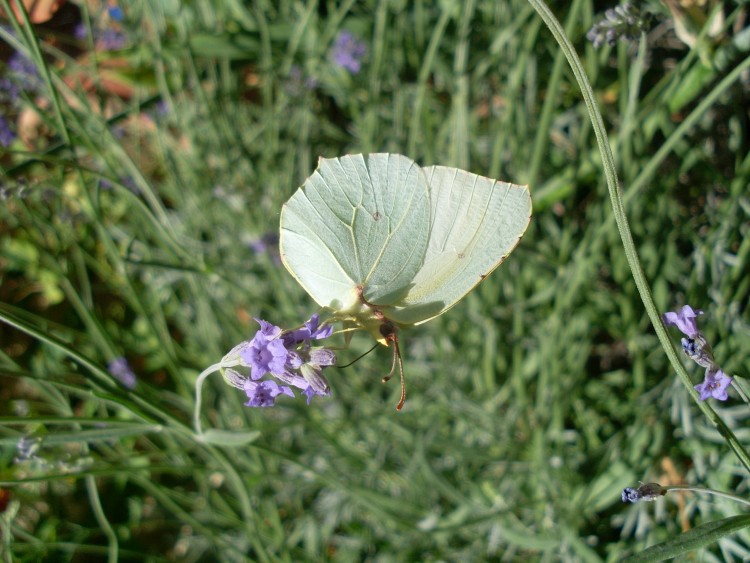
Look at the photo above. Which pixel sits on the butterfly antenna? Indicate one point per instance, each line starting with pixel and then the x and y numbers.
pixel 397 354
pixel 390 334
pixel 358 358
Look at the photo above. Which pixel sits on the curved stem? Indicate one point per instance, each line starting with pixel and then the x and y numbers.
pixel 198 397
pixel 710 492
pixel 615 194
pixel 96 504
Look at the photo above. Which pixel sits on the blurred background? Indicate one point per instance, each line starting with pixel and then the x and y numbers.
pixel 146 149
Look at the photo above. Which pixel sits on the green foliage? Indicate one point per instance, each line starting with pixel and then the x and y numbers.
pixel 126 231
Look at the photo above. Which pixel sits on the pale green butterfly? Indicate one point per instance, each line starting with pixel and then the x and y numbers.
pixel 386 244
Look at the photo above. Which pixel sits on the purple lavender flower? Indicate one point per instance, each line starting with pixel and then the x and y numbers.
pixel 23 72
pixel 80 32
pixel 110 40
pixel 268 330
pixel 695 346
pixel 348 52
pixel 311 330
pixel 9 90
pixel 714 385
pixel 263 354
pixel 264 394
pixel 310 392
pixel 116 13
pixel 21 65
pixel 684 320
pixel 7 136
pixel 161 109
pixel 120 370
pixel 287 356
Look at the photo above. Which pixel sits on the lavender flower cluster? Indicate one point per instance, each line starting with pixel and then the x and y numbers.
pixel 348 52
pixel 697 348
pixel 288 356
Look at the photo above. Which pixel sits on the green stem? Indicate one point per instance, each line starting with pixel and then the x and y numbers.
pixel 615 194
pixel 199 398
pixel 714 492
pixel 101 518
pixel 740 388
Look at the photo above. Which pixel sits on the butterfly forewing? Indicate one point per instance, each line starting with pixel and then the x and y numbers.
pixel 357 221
pixel 475 223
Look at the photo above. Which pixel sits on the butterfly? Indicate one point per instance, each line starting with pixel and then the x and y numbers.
pixel 386 244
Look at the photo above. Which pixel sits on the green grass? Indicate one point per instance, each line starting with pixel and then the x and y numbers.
pixel 530 405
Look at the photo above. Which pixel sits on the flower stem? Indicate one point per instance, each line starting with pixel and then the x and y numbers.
pixel 198 398
pixel 740 388
pixel 714 492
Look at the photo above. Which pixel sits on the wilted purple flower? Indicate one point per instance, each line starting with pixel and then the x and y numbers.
pixel 265 354
pixel 264 393
pixel 714 385
pixel 7 136
pixel 348 52
pixel 313 374
pixel 621 22
pixel 120 370
pixel 684 319
pixel 646 492
pixel 699 350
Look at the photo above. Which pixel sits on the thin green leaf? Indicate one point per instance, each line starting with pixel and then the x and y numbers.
pixel 691 540
pixel 229 438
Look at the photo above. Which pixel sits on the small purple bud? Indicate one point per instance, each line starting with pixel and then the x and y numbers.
pixel 120 369
pixel 646 492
